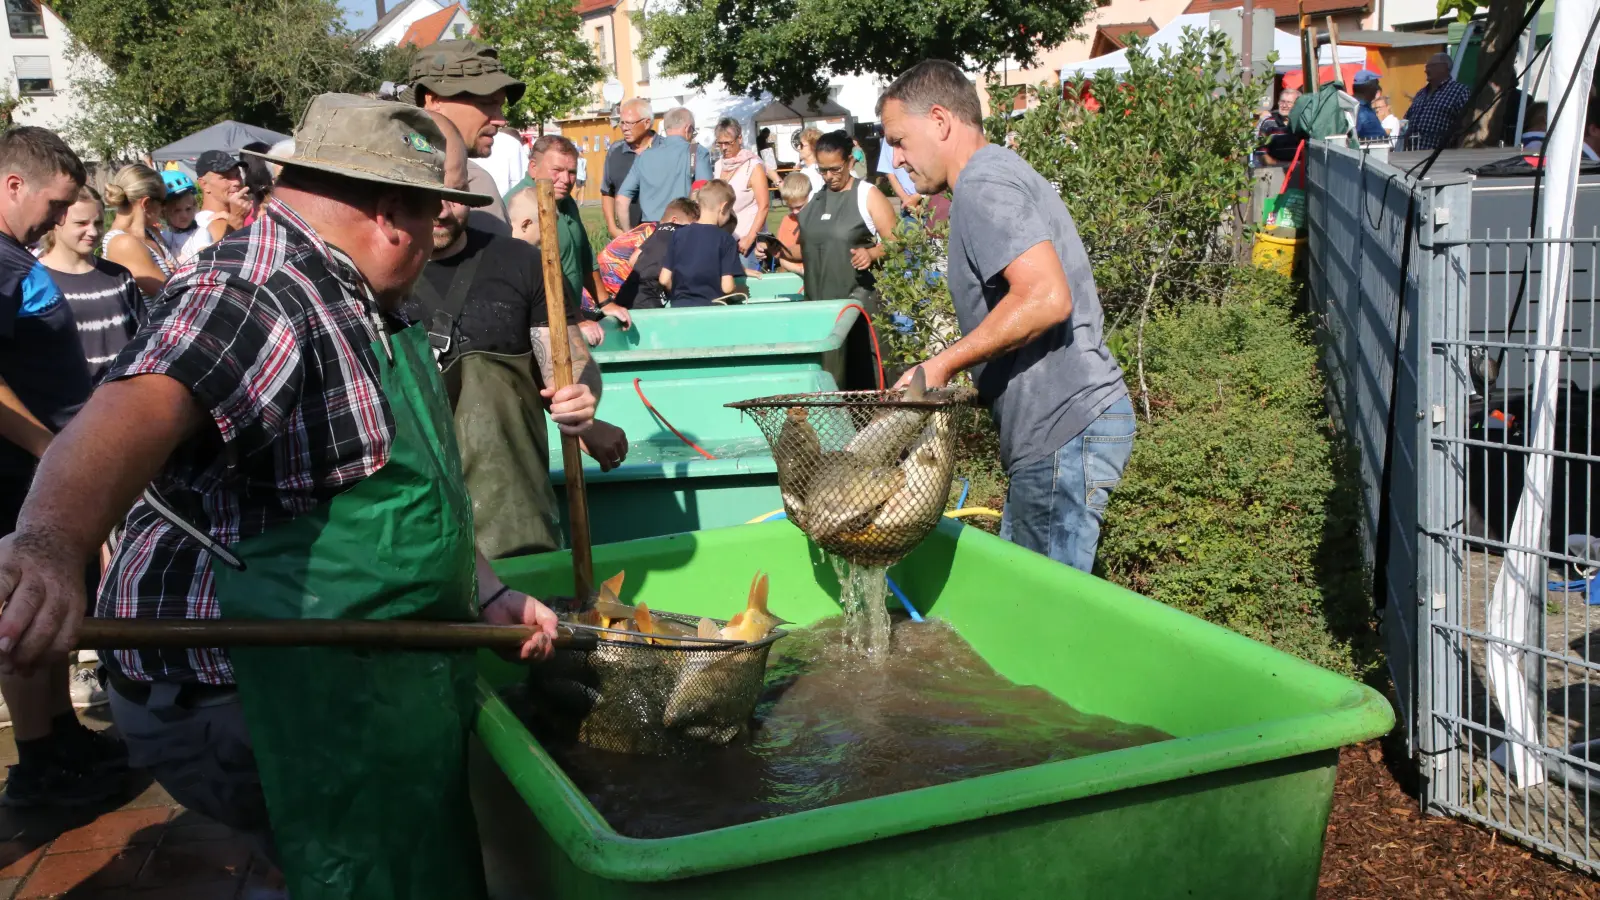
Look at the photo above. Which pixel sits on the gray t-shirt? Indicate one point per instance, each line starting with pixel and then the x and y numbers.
pixel 491 218
pixel 1046 393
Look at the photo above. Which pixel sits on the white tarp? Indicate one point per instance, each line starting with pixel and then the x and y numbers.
pixel 1287 46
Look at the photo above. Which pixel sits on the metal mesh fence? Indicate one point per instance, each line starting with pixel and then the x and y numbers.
pixel 1426 294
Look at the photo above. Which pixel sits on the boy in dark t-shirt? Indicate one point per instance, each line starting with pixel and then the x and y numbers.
pixel 642 289
pixel 703 258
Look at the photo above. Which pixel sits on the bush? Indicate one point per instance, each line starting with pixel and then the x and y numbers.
pixel 1151 176
pixel 1234 506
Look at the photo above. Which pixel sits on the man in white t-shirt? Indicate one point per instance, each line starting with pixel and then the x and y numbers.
pixel 224 201
pixel 507 161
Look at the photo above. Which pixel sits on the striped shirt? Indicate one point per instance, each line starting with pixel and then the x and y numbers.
pixel 108 307
pixel 272 331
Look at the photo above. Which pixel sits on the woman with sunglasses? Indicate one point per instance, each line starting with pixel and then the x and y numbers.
pixel 743 171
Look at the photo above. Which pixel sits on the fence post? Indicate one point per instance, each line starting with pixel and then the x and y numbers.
pixel 1443 295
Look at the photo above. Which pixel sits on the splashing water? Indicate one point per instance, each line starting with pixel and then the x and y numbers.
pixel 863 591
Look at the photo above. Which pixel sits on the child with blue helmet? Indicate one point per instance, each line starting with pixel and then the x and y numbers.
pixel 178 209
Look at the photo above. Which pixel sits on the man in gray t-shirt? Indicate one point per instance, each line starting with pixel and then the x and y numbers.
pixel 1025 299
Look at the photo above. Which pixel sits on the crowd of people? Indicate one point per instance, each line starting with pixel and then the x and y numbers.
pixel 335 391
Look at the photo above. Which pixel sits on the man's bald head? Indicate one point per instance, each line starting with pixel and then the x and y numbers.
pixel 455 152
pixel 1438 68
pixel 452 219
pixel 522 208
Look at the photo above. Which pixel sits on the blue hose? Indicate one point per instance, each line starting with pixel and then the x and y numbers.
pixel 1583 586
pixel 961 502
pixel 904 601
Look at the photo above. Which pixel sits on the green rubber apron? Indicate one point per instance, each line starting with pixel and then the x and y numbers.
pixel 362 753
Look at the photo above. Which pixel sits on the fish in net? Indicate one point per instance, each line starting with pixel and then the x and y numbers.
pixel 865 474
pixel 659 683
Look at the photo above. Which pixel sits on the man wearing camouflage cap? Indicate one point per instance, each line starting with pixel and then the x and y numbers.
pixel 296 440
pixel 464 81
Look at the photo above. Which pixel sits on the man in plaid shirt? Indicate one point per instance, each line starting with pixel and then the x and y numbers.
pixel 250 400
pixel 1437 108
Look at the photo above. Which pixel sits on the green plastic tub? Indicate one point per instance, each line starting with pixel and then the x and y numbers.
pixel 729 340
pixel 1234 807
pixel 775 287
pixel 665 486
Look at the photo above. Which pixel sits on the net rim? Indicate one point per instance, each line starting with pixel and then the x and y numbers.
pixel 702 645
pixel 948 398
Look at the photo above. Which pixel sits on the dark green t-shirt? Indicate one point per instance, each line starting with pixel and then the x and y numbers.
pixel 577 254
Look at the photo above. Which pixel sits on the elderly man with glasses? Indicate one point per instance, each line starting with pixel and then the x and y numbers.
pixel 667 171
pixel 637 135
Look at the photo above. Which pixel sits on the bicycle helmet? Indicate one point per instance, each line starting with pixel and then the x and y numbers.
pixel 177 182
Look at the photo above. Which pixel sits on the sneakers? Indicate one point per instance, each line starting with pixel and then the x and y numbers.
pixel 85 688
pixel 54 783
pixel 82 767
pixel 92 751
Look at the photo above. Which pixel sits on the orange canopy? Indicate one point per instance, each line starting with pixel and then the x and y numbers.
pixel 1296 79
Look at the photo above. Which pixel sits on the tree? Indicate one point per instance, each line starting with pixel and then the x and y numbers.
pixel 789 47
pixel 540 43
pixel 1494 105
pixel 171 67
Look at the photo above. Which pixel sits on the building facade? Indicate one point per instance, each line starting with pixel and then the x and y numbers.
pixel 40 73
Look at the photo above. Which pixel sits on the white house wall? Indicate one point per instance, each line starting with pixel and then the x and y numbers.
pixel 53 110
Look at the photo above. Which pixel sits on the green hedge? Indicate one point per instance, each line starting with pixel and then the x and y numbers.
pixel 1236 506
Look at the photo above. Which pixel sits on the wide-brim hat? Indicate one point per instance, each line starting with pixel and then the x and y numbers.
pixel 380 141
pixel 462 66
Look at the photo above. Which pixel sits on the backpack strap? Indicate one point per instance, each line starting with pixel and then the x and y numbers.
pixel 445 312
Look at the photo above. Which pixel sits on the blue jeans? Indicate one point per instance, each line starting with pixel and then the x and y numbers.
pixel 1055 506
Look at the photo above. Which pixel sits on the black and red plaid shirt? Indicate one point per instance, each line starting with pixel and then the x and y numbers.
pixel 272 330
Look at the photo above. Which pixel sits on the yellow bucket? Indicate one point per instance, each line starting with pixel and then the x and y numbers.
pixel 1277 254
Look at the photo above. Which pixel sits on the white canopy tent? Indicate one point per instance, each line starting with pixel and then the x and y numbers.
pixel 1287 46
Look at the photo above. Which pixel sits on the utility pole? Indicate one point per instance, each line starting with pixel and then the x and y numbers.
pixel 1247 42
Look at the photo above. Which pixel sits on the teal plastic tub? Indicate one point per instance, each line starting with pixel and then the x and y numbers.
pixel 729 340
pixel 1234 806
pixel 775 287
pixel 665 486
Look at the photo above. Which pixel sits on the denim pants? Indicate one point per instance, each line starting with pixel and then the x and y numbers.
pixel 1055 506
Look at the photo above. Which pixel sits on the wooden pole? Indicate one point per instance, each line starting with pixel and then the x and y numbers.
pixel 138 634
pixel 1308 51
pixel 1333 49
pixel 561 366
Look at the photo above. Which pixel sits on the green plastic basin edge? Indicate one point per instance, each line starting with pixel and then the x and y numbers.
pixel 835 339
pixel 1361 713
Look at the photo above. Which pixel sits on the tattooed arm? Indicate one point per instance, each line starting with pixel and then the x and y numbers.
pixel 584 369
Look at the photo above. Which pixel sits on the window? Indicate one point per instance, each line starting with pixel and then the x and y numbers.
pixel 33 75
pixel 459 30
pixel 602 49
pixel 24 18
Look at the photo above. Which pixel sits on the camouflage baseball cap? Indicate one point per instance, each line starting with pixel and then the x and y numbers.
pixel 373 140
pixel 456 67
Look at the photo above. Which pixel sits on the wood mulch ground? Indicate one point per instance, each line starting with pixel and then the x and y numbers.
pixel 1379 845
